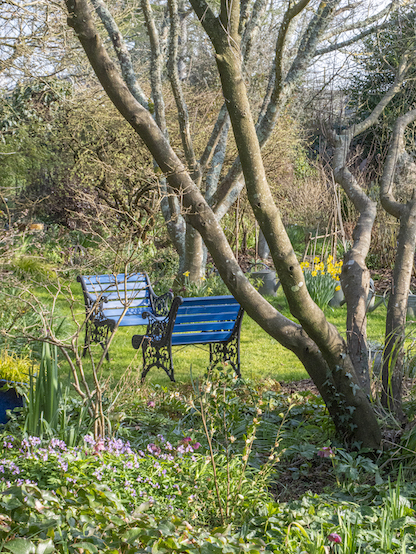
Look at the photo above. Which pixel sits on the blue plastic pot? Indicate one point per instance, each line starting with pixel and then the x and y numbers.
pixel 9 399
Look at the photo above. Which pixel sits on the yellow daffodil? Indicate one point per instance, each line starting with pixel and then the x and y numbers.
pixel 186 274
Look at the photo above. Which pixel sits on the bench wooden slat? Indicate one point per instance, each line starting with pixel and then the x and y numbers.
pixel 112 288
pixel 121 296
pixel 199 338
pixel 207 300
pixel 215 309
pixel 107 279
pixel 205 326
pixel 116 293
pixel 202 317
pixel 132 321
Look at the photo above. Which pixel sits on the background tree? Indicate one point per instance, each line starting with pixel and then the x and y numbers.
pixel 399 180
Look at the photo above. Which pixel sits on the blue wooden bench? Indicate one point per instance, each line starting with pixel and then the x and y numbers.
pixel 213 320
pixel 108 297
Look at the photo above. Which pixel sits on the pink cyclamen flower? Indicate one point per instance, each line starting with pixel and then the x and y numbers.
pixel 99 446
pixel 153 449
pixel 187 439
pixel 196 445
pixel 151 404
pixel 326 452
pixel 334 537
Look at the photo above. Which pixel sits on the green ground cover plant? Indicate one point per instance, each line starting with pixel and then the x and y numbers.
pixel 209 483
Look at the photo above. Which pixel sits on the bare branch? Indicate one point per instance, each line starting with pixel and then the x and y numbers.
pixel 121 50
pixel 183 116
pixel 156 62
pixel 339 29
pixel 402 70
pixel 353 40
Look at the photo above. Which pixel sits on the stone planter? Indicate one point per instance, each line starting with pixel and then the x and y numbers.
pixel 338 299
pixel 267 277
pixel 411 306
pixel 9 399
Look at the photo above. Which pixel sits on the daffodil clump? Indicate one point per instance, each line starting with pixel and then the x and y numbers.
pixel 322 279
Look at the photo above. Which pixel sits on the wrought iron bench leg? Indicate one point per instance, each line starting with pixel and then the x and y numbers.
pixel 96 334
pixel 157 356
pixel 220 352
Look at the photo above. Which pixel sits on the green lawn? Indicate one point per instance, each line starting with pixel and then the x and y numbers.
pixel 261 356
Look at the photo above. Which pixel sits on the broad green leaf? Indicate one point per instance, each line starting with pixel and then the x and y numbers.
pixel 45 547
pixel 88 546
pixel 132 535
pixel 20 546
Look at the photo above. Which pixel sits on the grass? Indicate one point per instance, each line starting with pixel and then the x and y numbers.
pixel 261 356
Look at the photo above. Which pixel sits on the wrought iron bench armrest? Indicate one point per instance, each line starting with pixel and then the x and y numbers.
pixel 162 303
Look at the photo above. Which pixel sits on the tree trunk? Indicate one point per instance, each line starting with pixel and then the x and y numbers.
pixel 355 277
pixel 194 255
pixel 312 319
pixel 397 158
pixel 393 354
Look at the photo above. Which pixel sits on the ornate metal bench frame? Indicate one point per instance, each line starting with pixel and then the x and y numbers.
pixel 159 339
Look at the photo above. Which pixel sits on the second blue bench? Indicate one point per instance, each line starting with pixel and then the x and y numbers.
pixel 213 320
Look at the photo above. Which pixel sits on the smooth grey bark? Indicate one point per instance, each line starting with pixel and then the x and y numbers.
pixel 225 39
pixel 171 209
pixel 393 353
pixel 323 352
pixel 183 116
pixel 355 276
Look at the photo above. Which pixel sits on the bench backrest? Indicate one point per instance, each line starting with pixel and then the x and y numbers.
pixel 117 291
pixel 205 319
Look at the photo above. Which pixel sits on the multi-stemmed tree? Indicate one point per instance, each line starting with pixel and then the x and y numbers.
pixel 314 340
